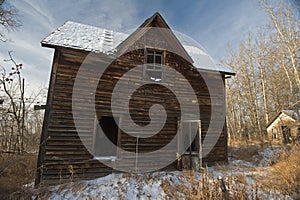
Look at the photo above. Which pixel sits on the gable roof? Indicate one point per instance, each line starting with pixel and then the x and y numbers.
pixel 95 39
pixel 158 28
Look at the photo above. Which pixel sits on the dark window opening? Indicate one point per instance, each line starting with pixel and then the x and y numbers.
pixel 153 68
pixel 105 143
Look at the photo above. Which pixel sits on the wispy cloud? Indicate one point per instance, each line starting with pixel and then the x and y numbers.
pixel 35 14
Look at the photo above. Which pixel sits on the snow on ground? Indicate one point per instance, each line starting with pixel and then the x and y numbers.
pixel 268 154
pixel 151 185
pixel 119 186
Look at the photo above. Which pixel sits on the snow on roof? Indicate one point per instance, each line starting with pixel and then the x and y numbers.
pixel 90 38
pixel 84 37
pixel 292 113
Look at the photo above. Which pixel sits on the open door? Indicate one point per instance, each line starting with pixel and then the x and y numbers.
pixel 286 133
pixel 192 158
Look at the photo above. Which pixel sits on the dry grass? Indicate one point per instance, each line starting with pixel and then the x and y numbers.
pixel 15 172
pixel 284 175
pixel 207 188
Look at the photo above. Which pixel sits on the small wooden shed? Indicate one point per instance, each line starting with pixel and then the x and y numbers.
pixel 64 155
pixel 285 127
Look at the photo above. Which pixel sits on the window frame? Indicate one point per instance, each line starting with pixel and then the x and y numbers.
pixel 153 66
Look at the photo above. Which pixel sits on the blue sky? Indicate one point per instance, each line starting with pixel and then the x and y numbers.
pixel 213 23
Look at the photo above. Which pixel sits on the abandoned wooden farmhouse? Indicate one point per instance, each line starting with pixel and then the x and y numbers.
pixel 63 156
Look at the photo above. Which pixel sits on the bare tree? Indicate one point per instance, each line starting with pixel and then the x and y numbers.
pixel 20 125
pixel 9 20
pixel 267 79
pixel 285 23
pixel 12 85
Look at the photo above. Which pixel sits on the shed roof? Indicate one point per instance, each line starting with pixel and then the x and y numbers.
pixel 291 113
pixel 95 39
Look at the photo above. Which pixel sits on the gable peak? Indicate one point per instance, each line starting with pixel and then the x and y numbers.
pixel 156 20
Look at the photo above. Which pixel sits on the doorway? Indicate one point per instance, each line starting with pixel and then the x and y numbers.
pixel 192 158
pixel 286 133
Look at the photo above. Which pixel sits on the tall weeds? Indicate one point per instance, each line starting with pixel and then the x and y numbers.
pixel 284 175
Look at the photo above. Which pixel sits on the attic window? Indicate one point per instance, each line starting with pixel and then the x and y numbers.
pixel 153 69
